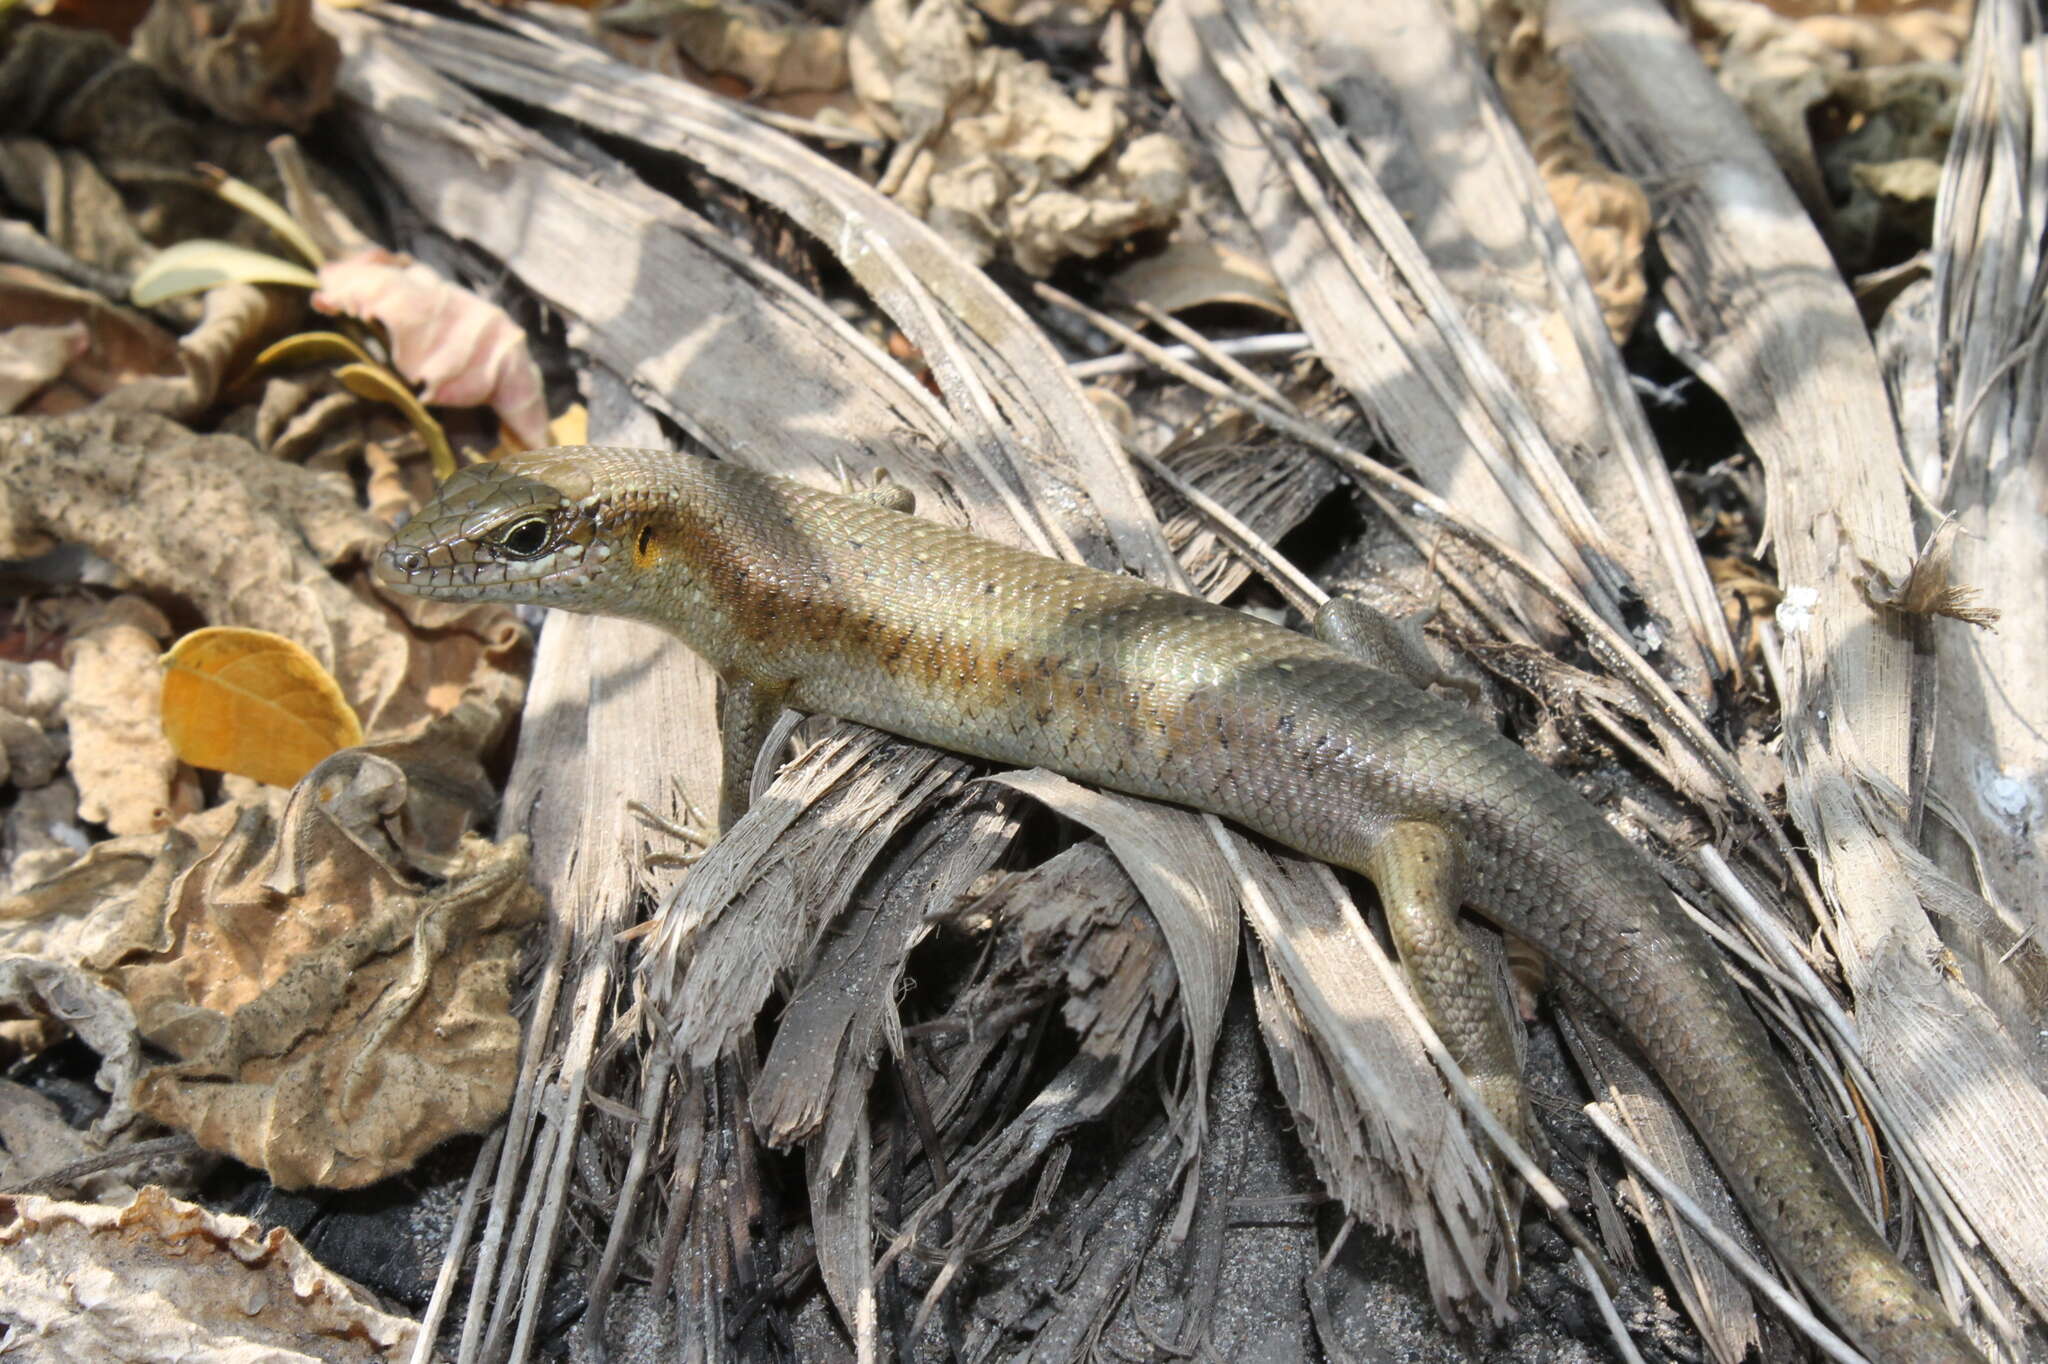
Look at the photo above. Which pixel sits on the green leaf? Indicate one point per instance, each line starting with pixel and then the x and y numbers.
pixel 189 267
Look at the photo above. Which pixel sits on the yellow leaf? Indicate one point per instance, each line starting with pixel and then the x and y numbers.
pixel 313 348
pixel 379 384
pixel 253 703
pixel 571 428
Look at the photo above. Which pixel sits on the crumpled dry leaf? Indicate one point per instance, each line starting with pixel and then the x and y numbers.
pixel 122 346
pixel 250 61
pixel 235 322
pixel 31 357
pixel 1883 173
pixel 68 995
pixel 460 349
pixel 31 699
pixel 1782 70
pixel 129 779
pixel 739 40
pixel 332 1018
pixel 255 703
pixel 107 901
pixel 80 211
pixel 993 152
pixel 164 1279
pixel 1606 214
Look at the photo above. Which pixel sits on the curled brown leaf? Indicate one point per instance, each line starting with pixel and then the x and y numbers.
pixel 333 1019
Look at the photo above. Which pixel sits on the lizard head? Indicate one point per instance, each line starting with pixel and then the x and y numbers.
pixel 527 529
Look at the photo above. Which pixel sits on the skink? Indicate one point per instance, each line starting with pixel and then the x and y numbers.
pixel 841 606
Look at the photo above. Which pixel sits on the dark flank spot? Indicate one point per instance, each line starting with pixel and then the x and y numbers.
pixel 1287 724
pixel 1043 715
pixel 856 544
pixel 988 589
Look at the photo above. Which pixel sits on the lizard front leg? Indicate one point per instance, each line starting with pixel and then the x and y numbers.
pixel 747 710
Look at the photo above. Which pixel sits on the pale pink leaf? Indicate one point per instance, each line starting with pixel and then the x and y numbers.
pixel 460 350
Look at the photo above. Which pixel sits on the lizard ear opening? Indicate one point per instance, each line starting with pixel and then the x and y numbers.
pixel 643 545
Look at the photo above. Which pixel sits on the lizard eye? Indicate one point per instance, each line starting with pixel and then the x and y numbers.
pixel 526 538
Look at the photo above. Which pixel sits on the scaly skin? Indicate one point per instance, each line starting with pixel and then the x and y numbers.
pixel 835 606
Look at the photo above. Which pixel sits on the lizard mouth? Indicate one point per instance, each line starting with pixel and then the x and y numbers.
pixel 433 571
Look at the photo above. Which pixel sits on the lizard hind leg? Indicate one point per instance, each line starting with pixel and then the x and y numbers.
pixel 1420 877
pixel 1417 868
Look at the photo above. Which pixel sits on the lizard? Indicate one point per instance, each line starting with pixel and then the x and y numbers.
pixel 849 607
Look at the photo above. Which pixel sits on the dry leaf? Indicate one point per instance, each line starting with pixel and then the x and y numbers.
pixel 235 321
pixel 69 996
pixel 1831 92
pixel 128 776
pixel 123 345
pixel 993 152
pixel 571 428
pixel 61 188
pixel 255 703
pixel 165 1279
pixel 1197 274
pixel 31 695
pixel 739 40
pixel 460 350
pixel 1606 214
pixel 333 1019
pixel 31 357
pixel 267 62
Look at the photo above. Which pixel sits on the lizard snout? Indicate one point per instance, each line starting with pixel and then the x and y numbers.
pixel 396 566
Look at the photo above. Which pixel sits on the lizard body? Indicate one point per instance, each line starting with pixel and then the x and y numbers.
pixel 837 606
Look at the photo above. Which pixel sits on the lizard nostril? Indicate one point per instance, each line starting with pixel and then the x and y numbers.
pixel 408 560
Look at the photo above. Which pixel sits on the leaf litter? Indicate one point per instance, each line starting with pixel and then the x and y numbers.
pixel 940 995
